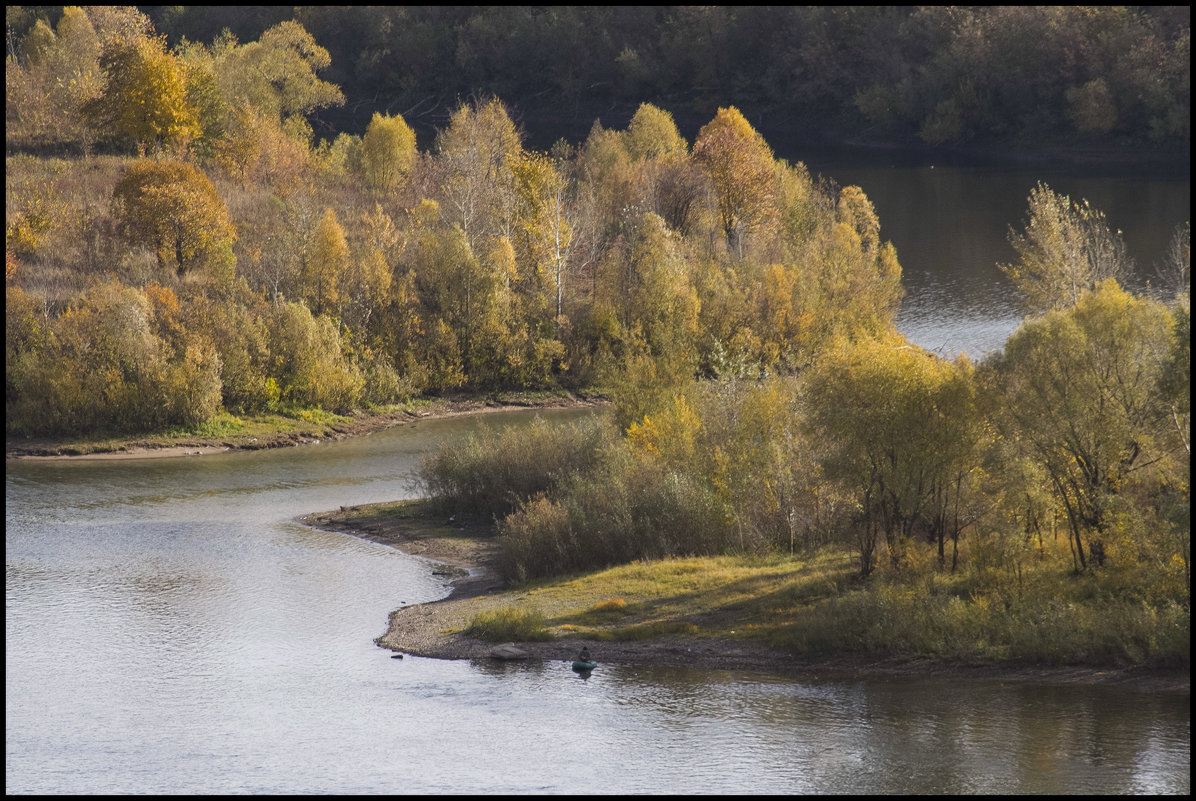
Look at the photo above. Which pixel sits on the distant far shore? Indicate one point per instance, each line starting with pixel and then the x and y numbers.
pixel 148 447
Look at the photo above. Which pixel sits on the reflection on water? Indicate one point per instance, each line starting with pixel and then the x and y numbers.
pixel 170 628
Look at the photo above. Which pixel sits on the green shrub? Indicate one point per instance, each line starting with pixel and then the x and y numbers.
pixel 491 473
pixel 628 508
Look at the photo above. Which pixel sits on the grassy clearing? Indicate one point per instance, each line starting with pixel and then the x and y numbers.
pixel 256 430
pixel 262 427
pixel 817 606
pixel 706 596
pixel 223 428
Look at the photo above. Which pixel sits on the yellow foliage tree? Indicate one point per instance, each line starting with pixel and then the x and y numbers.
pixel 367 283
pixel 144 101
pixel 1065 250
pixel 546 224
pixel 652 134
pixel 57 75
pixel 277 73
pixel 309 361
pixel 475 154
pixel 326 266
pixel 1084 396
pixel 741 167
pixel 898 429
pixel 173 208
pixel 256 147
pixel 388 151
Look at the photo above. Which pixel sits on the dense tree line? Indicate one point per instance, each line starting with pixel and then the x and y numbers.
pixel 739 312
pixel 1074 441
pixel 366 270
pixel 1009 75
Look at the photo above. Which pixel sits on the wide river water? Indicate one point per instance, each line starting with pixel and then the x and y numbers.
pixel 170 627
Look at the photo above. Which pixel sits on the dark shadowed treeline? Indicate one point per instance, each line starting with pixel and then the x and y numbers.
pixel 932 74
pixel 998 75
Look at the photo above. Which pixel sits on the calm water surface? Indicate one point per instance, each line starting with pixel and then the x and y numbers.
pixel 170 628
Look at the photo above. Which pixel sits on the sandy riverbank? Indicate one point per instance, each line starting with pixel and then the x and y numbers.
pixel 434 629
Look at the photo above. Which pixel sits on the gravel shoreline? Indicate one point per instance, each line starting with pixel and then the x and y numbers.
pixel 434 629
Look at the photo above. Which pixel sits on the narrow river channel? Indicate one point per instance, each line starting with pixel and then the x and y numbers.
pixel 171 628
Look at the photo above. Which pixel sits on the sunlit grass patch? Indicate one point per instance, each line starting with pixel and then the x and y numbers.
pixel 1033 616
pixel 509 624
pixel 714 596
pixel 222 424
pixel 815 604
pixel 264 426
pixel 319 416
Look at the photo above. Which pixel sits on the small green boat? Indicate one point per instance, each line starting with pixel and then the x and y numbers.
pixel 584 667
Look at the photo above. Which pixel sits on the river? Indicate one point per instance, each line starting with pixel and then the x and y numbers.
pixel 171 628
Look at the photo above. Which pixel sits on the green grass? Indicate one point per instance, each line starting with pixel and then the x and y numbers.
pixel 707 597
pixel 817 606
pixel 225 426
pixel 646 631
pixel 318 416
pixel 239 430
pixel 603 613
pixel 509 624
pixel 1039 612
pixel 222 425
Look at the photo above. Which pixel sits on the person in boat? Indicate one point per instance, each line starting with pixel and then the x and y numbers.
pixel 584 656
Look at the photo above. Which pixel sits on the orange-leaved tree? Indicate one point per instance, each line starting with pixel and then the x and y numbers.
pixel 174 209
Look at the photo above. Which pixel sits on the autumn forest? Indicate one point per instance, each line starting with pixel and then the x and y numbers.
pixel 186 248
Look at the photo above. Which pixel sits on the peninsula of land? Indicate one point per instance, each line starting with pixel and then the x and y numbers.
pixel 467 551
